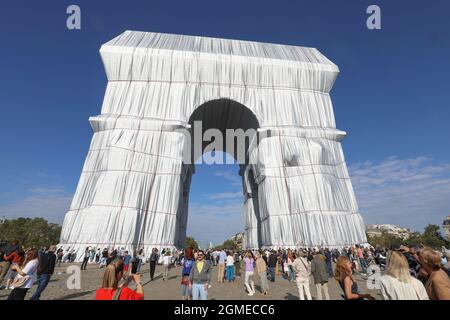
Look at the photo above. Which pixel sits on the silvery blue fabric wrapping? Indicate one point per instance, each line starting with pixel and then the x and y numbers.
pixel 134 187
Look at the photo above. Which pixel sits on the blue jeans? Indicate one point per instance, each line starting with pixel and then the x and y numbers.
pixel 185 291
pixel 42 282
pixel 292 275
pixel 230 273
pixel 363 265
pixel 329 269
pixel 272 274
pixel 199 292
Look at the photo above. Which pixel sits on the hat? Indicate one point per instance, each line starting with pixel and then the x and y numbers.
pixel 403 249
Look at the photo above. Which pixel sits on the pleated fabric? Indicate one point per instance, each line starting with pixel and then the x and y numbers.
pixel 134 187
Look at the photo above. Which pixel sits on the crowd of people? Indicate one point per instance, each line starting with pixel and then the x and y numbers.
pixel 22 268
pixel 407 273
pixel 93 255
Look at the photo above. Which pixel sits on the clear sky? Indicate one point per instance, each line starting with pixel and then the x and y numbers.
pixel 392 97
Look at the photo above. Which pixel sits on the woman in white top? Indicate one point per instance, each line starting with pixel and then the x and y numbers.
pixel 166 261
pixel 25 276
pixel 230 266
pixel 398 284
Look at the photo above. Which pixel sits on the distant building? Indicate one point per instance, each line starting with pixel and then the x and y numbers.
pixel 446 226
pixel 377 230
pixel 238 239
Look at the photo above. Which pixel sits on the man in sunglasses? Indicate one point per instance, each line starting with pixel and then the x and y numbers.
pixel 200 277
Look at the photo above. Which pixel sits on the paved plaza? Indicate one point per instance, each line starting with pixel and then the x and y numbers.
pixel 170 289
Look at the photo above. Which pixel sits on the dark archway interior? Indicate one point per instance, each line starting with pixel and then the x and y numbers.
pixel 223 114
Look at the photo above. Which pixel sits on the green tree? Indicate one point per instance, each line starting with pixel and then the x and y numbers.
pixel 191 242
pixel 432 237
pixel 228 245
pixel 385 240
pixel 36 232
pixel 375 241
pixel 414 239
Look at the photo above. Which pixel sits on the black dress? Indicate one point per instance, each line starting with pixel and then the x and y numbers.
pixel 354 288
pixel 17 294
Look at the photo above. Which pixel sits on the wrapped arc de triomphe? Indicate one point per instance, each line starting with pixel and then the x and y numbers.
pixel 134 187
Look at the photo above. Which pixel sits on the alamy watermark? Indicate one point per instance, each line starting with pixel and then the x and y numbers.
pixel 74 279
pixel 73 21
pixel 240 144
pixel 374 20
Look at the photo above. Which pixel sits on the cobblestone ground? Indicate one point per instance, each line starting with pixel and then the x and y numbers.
pixel 170 289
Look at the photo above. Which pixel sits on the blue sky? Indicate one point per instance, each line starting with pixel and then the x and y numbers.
pixel 391 97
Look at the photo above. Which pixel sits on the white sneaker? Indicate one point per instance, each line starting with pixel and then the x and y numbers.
pixel 250 294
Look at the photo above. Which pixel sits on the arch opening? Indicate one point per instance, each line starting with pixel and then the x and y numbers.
pixel 222 125
pixel 134 187
pixel 236 126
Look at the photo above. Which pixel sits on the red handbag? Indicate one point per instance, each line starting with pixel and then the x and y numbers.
pixel 185 280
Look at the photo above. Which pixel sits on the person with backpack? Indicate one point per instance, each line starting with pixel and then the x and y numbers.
pixel 303 270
